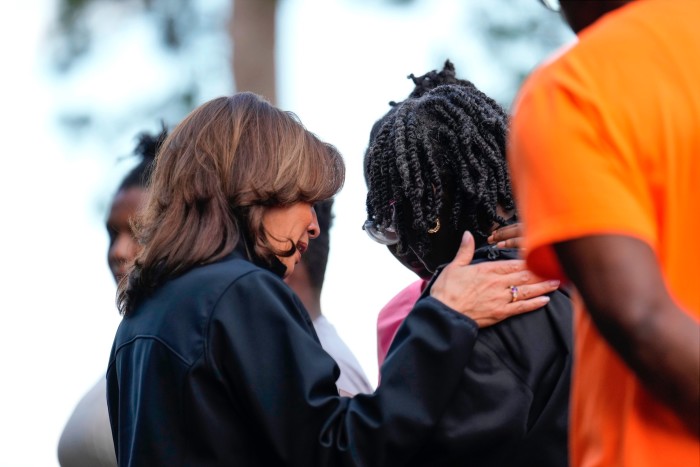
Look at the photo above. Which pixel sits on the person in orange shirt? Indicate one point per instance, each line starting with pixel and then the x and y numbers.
pixel 605 155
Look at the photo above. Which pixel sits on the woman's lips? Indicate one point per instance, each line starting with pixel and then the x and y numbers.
pixel 302 247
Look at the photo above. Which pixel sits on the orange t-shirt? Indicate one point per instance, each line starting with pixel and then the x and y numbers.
pixel 605 139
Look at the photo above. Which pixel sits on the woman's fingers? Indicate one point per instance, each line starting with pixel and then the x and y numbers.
pixel 525 292
pixel 522 299
pixel 508 232
pixel 515 300
pixel 511 272
pixel 513 309
pixel 510 236
pixel 491 292
pixel 517 243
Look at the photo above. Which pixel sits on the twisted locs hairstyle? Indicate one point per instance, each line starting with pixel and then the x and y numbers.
pixel 214 176
pixel 445 143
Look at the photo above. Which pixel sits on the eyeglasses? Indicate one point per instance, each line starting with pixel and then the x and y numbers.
pixel 553 5
pixel 380 234
pixel 383 234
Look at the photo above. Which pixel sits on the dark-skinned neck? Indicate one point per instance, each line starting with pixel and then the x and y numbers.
pixel 580 14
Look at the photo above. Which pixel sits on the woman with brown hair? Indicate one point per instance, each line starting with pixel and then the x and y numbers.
pixel 216 361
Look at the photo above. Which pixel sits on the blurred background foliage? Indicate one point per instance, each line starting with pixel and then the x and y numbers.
pixel 230 45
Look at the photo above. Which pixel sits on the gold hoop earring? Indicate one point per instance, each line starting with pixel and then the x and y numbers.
pixel 436 228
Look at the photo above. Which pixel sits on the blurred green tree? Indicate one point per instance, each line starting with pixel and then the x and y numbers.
pixel 251 28
pixel 500 43
pixel 203 40
pixel 76 49
pixel 514 36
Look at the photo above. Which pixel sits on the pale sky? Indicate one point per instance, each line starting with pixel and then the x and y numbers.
pixel 340 62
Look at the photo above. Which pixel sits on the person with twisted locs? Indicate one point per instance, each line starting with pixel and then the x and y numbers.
pixel 604 154
pixel 216 362
pixel 435 167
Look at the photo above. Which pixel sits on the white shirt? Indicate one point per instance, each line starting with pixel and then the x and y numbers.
pixel 86 440
pixel 352 379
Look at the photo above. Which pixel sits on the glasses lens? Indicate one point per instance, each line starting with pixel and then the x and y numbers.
pixel 552 4
pixel 381 235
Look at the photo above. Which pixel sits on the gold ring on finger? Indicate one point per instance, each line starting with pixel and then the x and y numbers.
pixel 513 293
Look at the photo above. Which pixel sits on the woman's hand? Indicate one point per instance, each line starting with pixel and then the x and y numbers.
pixel 489 292
pixel 510 236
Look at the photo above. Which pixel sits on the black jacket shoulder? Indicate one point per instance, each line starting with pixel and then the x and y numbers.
pixel 512 405
pixel 221 367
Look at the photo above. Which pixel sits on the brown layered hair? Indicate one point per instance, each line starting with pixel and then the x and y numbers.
pixel 214 176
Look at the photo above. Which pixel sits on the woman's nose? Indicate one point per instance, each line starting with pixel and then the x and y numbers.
pixel 314 229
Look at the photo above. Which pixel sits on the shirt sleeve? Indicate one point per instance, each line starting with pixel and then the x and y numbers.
pixel 287 382
pixel 574 170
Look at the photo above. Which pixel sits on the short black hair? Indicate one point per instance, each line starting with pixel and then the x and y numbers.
pixel 315 258
pixel 146 149
pixel 446 143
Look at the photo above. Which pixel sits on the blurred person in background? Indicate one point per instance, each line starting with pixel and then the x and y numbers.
pixel 604 154
pixel 307 282
pixel 86 440
pixel 436 166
